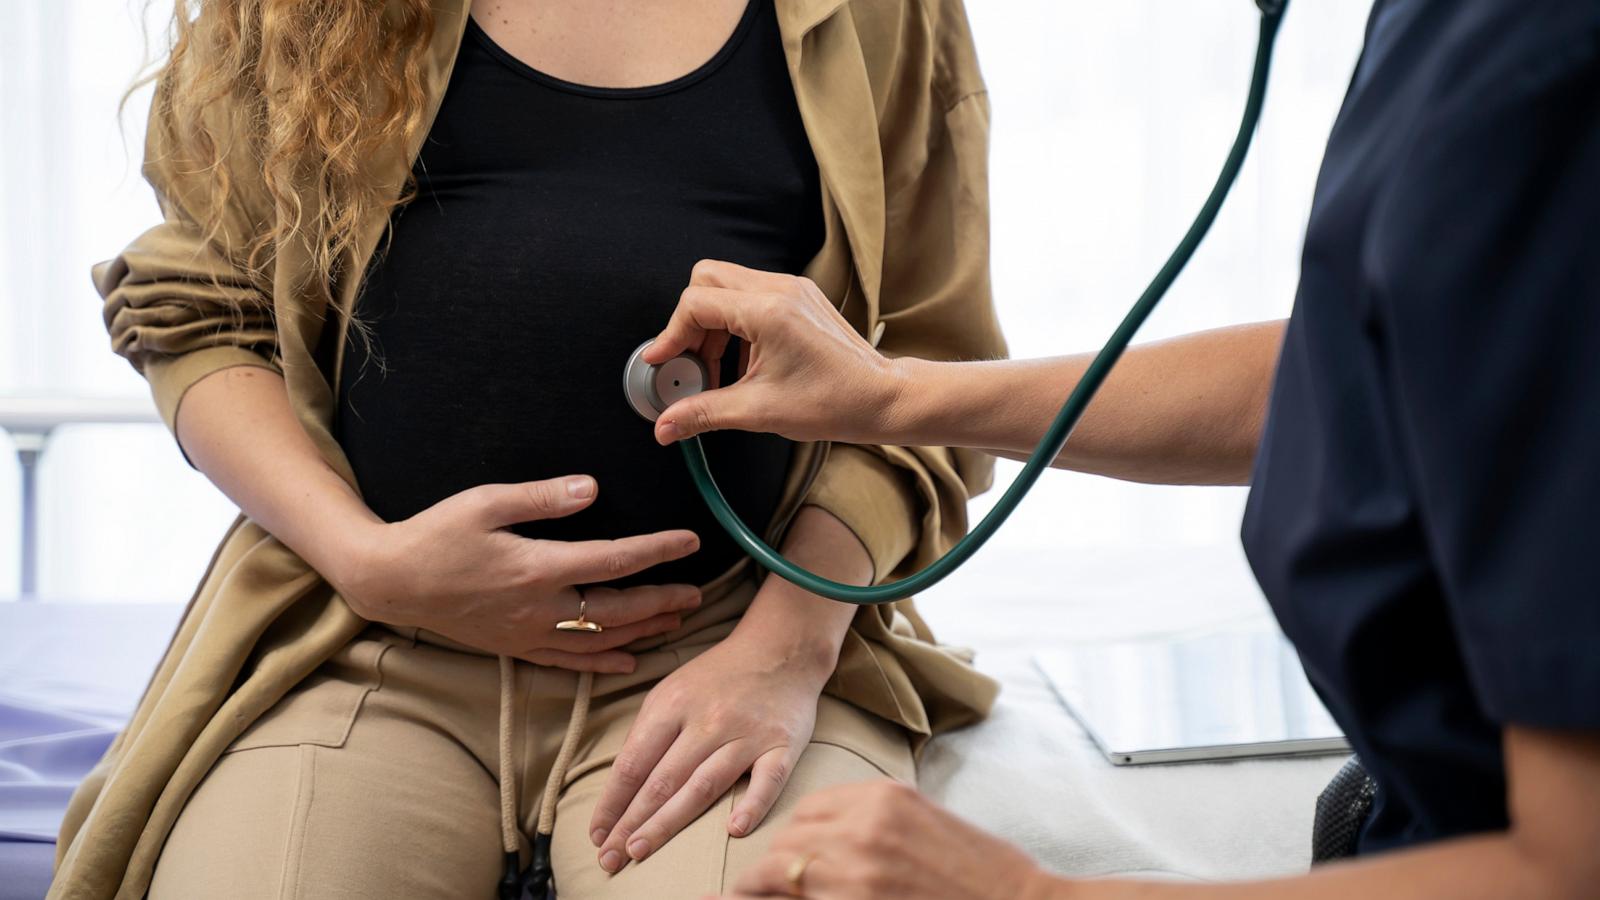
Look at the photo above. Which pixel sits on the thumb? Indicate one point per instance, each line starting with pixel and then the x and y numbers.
pixel 733 407
pixel 501 505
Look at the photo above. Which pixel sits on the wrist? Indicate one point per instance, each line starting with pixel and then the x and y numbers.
pixel 895 390
pixel 793 626
pixel 903 407
pixel 798 632
pixel 355 557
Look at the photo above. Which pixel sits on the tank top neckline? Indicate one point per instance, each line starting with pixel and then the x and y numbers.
pixel 692 77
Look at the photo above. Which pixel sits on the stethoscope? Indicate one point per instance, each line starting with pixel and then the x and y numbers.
pixel 651 389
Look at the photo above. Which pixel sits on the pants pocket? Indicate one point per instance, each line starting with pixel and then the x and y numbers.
pixel 321 710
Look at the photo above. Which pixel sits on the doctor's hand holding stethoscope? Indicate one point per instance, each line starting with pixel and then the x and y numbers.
pixel 1189 410
pixel 810 376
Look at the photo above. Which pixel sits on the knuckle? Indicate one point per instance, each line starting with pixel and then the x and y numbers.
pixel 777 773
pixel 615 563
pixel 687 301
pixel 876 816
pixel 538 494
pixel 663 697
pixel 702 788
pixel 628 769
pixel 659 790
pixel 703 270
pixel 718 721
pixel 701 417
pixel 786 315
pixel 664 549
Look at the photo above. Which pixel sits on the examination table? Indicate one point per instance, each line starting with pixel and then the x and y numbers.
pixel 1029 772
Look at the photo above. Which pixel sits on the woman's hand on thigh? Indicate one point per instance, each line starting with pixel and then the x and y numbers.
pixel 456 570
pixel 883 839
pixel 734 709
pixel 748 704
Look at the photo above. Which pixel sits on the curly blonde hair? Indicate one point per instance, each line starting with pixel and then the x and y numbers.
pixel 317 90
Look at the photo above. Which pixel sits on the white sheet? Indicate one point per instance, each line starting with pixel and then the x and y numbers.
pixel 1032 774
pixel 70 673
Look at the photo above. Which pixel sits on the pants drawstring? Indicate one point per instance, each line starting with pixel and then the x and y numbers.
pixel 511 876
pixel 540 871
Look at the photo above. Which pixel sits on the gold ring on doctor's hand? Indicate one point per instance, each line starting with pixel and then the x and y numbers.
pixel 797 872
pixel 581 623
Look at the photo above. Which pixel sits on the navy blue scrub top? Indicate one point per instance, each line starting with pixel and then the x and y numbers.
pixel 1425 511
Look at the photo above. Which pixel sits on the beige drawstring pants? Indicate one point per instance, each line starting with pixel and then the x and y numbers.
pixel 377 778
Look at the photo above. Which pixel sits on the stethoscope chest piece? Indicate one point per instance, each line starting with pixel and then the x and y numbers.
pixel 651 389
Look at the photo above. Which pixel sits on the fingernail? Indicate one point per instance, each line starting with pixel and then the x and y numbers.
pixel 597 836
pixel 611 860
pixel 692 601
pixel 670 432
pixel 741 823
pixel 580 488
pixel 639 848
pixel 692 544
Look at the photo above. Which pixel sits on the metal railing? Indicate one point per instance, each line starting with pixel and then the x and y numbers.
pixel 31 421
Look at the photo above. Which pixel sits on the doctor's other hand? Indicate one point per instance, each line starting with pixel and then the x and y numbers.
pixel 884 839
pixel 807 375
pixel 457 570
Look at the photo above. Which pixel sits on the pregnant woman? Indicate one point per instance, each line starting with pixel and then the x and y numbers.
pixel 474 625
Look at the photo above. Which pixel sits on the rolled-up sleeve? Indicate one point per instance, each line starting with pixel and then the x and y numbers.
pixel 180 304
pixel 908 504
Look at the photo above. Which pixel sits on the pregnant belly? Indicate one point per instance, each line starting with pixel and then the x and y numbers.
pixel 469 387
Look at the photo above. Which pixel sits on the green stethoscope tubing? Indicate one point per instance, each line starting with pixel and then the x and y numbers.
pixel 1061 428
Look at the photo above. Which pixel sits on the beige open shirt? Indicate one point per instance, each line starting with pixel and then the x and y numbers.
pixel 895 110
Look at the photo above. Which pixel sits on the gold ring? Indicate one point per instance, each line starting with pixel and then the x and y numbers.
pixel 581 623
pixel 797 871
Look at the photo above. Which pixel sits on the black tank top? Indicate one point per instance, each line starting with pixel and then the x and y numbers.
pixel 553 229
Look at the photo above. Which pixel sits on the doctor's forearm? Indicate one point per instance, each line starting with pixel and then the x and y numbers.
pixel 1188 410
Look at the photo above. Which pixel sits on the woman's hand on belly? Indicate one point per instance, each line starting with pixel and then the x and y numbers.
pixel 748 704
pixel 454 569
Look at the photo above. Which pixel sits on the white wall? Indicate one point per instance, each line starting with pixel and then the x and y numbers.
pixel 1110 122
pixel 122 516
